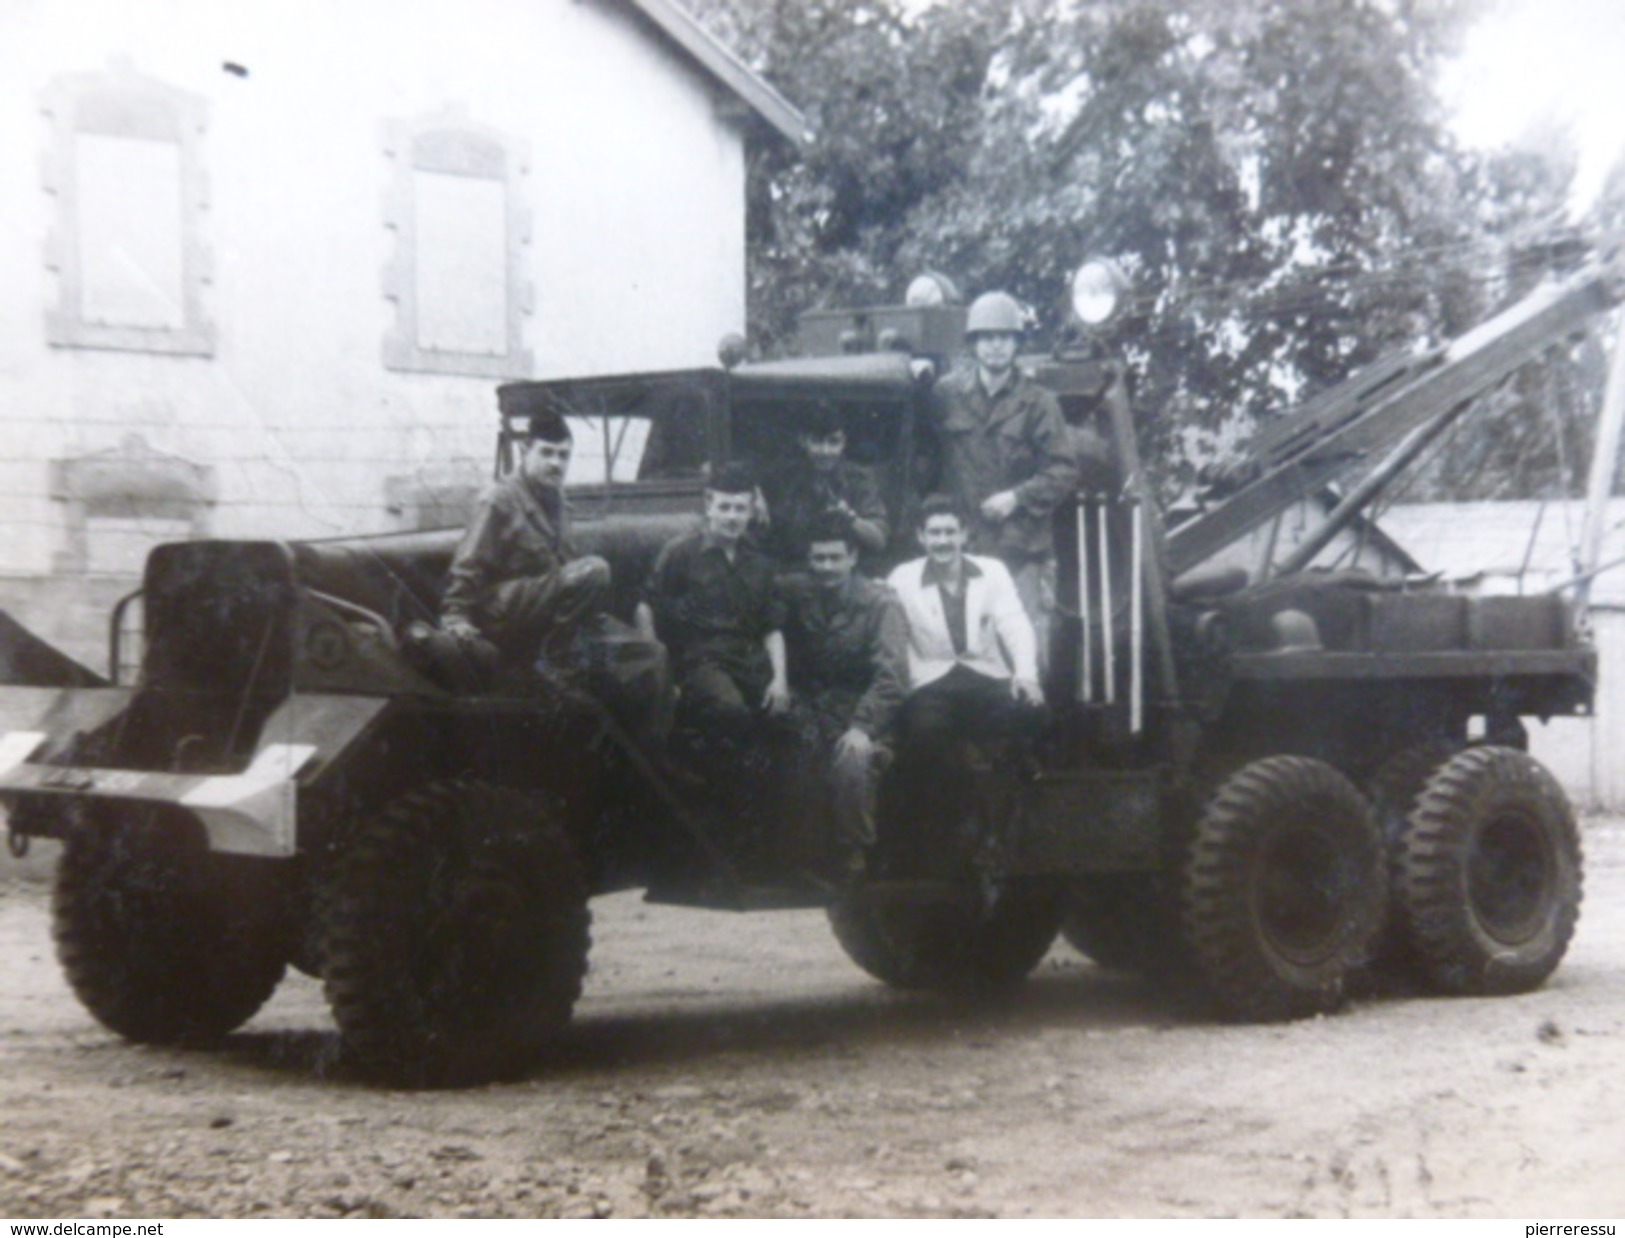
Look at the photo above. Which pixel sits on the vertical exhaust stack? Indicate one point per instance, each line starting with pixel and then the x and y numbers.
pixel 1086 658
pixel 1136 616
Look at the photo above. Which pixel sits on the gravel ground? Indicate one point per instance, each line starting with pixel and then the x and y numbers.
pixel 721 1066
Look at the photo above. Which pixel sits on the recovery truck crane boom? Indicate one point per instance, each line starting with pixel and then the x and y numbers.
pixel 1401 400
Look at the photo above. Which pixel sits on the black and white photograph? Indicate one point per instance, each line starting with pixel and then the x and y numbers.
pixel 825 609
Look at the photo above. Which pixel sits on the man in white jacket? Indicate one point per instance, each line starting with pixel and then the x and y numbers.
pixel 970 641
pixel 972 660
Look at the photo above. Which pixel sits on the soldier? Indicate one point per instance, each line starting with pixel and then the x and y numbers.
pixel 515 580
pixel 1005 454
pixel 820 481
pixel 847 644
pixel 712 598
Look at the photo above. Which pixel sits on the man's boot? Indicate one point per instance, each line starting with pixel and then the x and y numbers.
pixel 458 664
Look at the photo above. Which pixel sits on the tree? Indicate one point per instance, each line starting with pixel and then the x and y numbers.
pixel 1533 437
pixel 896 106
pixel 1278 177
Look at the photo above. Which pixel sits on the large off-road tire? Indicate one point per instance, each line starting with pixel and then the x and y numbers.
pixel 981 942
pixel 1116 922
pixel 160 939
pixel 454 934
pixel 1487 875
pixel 1393 791
pixel 1398 781
pixel 1282 890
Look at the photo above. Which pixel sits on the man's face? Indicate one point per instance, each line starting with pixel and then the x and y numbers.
pixel 824 450
pixel 942 538
pixel 546 463
pixel 727 515
pixel 831 562
pixel 995 351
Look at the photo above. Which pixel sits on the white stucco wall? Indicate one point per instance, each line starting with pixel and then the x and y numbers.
pixel 635 192
pixel 1589 754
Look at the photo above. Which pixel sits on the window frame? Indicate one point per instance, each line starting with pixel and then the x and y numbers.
pixel 448 142
pixel 121 103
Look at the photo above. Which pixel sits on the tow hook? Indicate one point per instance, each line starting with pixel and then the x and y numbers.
pixel 17 842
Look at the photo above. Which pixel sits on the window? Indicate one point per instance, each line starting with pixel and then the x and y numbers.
pixel 456 278
pixel 122 502
pixel 656 434
pixel 126 244
pixel 635 439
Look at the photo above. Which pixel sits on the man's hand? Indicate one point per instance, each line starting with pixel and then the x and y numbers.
pixel 1000 506
pixel 643 618
pixel 777 699
pixel 1027 691
pixel 459 627
pixel 854 745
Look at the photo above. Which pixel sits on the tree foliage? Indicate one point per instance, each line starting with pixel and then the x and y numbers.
pixel 1277 176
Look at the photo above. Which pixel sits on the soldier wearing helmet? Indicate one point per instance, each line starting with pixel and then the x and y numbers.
pixel 1004 453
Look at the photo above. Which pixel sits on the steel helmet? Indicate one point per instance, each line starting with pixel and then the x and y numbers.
pixel 994 312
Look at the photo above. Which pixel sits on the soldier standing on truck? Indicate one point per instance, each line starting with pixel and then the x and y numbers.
pixel 515 580
pixel 847 642
pixel 1005 453
pixel 713 599
pixel 821 482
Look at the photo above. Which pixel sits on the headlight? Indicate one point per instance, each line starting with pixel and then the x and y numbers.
pixel 1099 290
pixel 732 349
pixel 930 288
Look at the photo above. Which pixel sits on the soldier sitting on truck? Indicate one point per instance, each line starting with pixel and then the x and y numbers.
pixel 515 580
pixel 713 599
pixel 818 482
pixel 847 643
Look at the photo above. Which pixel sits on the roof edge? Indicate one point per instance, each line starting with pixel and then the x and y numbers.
pixel 677 24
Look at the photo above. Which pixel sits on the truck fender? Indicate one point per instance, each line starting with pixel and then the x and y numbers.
pixel 29 660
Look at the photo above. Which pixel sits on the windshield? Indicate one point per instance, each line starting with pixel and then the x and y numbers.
pixel 660 437
pixel 628 432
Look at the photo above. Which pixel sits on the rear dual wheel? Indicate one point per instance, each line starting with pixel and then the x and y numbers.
pixel 1282 889
pixel 1487 875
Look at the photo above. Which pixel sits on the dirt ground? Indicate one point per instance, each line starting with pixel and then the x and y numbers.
pixel 726 1066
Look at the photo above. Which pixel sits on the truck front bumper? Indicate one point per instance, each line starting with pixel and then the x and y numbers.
pixel 249 813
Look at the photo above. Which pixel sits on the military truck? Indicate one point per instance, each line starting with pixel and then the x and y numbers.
pixel 1258 775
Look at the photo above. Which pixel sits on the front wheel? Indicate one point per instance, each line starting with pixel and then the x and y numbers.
pixel 454 934
pixel 161 939
pixel 975 940
pixel 1487 875
pixel 1282 889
